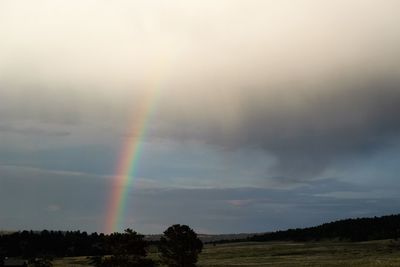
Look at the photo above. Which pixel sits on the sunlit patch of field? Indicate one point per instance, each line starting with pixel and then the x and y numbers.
pixel 287 254
pixel 72 262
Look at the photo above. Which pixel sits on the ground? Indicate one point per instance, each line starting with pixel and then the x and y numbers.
pixel 287 254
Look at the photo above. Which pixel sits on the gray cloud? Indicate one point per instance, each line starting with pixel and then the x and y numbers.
pixel 36 199
pixel 309 129
pixel 32 131
pixel 310 83
pixel 63 198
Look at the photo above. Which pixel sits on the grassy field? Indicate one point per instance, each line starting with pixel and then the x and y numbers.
pixel 324 254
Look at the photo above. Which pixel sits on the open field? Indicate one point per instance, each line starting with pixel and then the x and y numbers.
pixel 327 254
pixel 284 254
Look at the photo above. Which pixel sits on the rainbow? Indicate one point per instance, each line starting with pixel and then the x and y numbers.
pixel 128 160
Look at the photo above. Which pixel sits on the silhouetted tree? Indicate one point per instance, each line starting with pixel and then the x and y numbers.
pixel 128 249
pixel 42 262
pixel 128 243
pixel 180 246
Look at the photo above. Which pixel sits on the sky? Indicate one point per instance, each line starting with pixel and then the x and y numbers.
pixel 259 115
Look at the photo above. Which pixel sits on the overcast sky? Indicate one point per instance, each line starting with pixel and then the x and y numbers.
pixel 266 114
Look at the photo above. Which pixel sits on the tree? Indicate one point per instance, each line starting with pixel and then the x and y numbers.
pixel 42 262
pixel 180 246
pixel 128 243
pixel 128 249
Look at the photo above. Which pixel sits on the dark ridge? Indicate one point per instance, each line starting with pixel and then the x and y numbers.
pixel 358 229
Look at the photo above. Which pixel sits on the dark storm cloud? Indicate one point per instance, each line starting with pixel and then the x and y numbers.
pixel 308 130
pixel 329 127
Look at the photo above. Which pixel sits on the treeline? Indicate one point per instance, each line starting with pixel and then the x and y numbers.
pixel 360 229
pixel 55 243
pixel 179 246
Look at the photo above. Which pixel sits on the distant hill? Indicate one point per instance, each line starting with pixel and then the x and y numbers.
pixel 210 238
pixel 359 229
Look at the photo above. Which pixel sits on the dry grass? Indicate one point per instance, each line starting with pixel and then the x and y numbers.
pixel 284 254
pixel 327 254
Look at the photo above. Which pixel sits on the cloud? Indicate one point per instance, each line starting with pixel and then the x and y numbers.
pixel 219 209
pixel 53 208
pixel 36 199
pixel 309 83
pixel 240 202
pixel 39 199
pixel 32 131
pixel 309 129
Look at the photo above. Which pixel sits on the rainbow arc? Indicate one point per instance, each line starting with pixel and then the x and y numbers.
pixel 129 158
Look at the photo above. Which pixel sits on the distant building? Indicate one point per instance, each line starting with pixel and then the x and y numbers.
pixel 15 263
